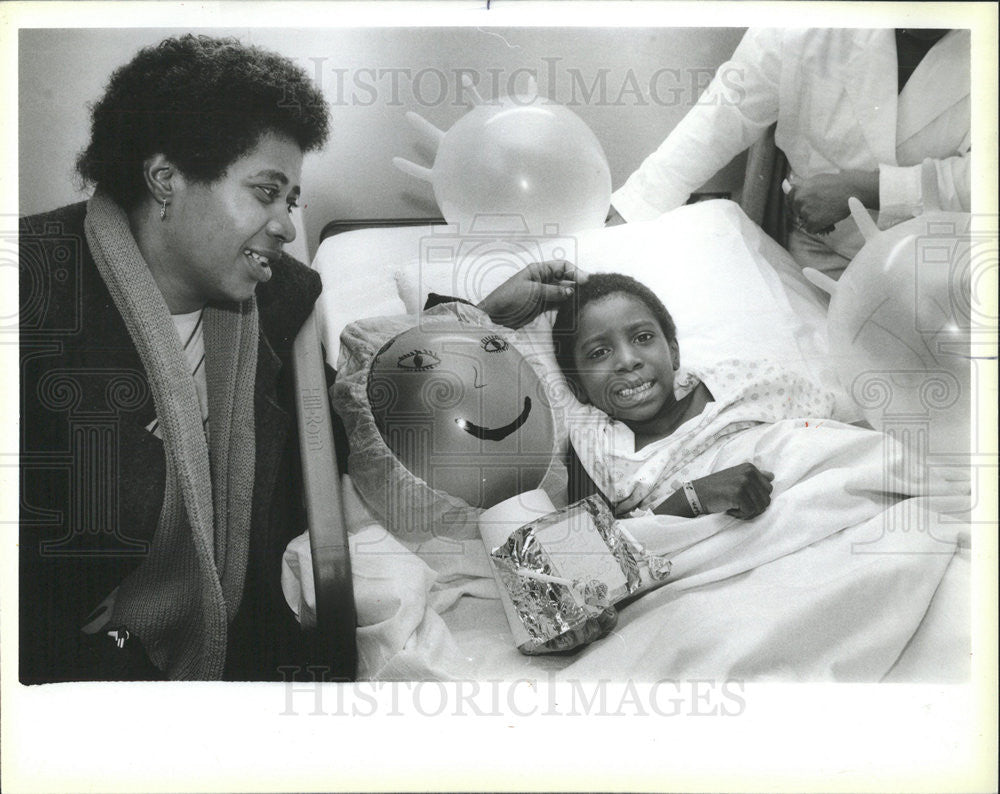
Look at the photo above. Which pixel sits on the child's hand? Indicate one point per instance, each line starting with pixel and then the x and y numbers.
pixel 742 491
pixel 529 292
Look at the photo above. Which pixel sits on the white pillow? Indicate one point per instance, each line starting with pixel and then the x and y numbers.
pixel 732 290
pixel 358 270
pixel 472 266
pixel 377 272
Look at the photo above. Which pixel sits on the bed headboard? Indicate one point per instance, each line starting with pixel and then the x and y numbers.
pixel 338 227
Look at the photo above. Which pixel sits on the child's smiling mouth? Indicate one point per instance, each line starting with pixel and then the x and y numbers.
pixel 634 392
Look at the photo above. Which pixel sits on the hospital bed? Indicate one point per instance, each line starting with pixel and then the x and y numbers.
pixel 410 630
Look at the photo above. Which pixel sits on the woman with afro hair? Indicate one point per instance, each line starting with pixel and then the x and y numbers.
pixel 159 461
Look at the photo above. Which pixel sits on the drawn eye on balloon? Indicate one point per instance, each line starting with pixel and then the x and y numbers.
pixel 494 344
pixel 418 360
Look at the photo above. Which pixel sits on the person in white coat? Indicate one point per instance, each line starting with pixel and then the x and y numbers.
pixel 882 115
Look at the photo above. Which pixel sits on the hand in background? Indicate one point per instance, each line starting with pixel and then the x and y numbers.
pixel 817 203
pixel 743 491
pixel 526 294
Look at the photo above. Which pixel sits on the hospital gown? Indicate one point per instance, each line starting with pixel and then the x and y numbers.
pixel 746 394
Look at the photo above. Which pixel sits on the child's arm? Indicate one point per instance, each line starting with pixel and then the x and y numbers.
pixel 743 491
pixel 529 292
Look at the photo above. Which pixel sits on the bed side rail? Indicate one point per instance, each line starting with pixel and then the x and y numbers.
pixel 336 617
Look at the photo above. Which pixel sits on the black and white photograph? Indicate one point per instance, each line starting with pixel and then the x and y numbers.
pixel 488 372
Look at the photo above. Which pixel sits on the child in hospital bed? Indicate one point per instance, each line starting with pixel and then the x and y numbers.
pixel 647 422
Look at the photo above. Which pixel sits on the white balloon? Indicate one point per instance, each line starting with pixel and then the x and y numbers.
pixel 522 165
pixel 899 329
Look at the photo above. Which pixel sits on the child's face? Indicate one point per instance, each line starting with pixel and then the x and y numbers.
pixel 624 362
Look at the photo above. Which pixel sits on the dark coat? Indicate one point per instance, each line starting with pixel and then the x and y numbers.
pixel 92 476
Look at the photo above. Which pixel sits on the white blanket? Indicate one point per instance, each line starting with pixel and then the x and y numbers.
pixel 831 582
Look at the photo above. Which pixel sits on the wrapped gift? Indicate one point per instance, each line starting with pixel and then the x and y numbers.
pixel 562 571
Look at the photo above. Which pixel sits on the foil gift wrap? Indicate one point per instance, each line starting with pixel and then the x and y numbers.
pixel 562 573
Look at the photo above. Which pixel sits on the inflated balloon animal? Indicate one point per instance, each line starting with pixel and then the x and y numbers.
pixel 899 328
pixel 520 164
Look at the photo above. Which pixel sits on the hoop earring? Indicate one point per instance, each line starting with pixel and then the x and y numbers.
pixel 163 210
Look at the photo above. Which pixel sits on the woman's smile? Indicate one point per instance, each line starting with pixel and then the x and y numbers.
pixel 260 264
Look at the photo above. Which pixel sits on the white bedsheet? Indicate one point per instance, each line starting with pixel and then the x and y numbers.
pixel 832 582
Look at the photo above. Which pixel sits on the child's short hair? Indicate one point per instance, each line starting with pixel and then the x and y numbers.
pixel 597 286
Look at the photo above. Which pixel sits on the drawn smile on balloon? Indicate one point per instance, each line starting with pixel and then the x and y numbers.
pixel 496 433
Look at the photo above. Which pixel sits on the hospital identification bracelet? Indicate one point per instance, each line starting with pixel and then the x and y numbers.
pixel 692 498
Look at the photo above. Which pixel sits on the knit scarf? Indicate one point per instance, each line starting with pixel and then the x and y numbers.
pixel 180 599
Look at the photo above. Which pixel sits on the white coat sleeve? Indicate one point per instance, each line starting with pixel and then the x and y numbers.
pixel 905 191
pixel 739 104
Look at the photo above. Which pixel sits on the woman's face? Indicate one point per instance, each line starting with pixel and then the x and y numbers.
pixel 223 236
pixel 623 360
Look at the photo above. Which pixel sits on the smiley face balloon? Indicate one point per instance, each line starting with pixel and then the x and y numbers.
pixel 462 410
